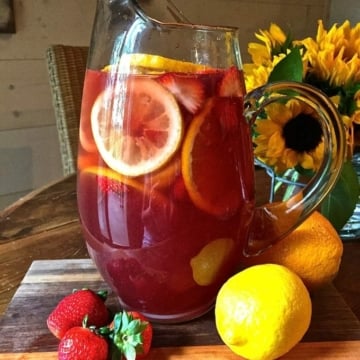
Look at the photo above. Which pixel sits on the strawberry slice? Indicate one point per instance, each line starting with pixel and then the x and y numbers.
pixel 187 90
pixel 231 84
pixel 228 111
pixel 107 184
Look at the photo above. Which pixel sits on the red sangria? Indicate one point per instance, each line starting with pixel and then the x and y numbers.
pixel 165 185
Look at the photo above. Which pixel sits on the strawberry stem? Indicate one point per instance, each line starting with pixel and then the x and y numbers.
pixel 85 320
pixel 126 335
pixel 103 294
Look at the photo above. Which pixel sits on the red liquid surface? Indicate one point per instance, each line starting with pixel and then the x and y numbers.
pixel 143 232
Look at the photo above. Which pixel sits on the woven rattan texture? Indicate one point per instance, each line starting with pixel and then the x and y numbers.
pixel 66 68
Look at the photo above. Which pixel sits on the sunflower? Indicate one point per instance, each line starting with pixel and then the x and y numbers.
pixel 264 56
pixel 334 56
pixel 289 137
pixel 273 40
pixel 333 59
pixel 331 62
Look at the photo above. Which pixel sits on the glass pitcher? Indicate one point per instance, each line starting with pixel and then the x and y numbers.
pixel 166 176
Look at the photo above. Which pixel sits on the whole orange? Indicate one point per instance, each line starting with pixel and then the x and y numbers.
pixel 313 251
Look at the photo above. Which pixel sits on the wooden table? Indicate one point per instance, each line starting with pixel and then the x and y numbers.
pixel 44 226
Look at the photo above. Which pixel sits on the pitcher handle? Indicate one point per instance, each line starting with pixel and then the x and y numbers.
pixel 274 221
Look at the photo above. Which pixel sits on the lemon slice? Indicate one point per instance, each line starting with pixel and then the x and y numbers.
pixel 208 262
pixel 155 64
pixel 137 125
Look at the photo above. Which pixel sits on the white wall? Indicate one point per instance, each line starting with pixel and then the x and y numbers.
pixel 29 148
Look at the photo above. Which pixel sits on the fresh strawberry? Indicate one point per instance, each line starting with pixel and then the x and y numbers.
pixel 188 91
pixel 231 84
pixel 147 334
pixel 131 335
pixel 72 309
pixel 82 343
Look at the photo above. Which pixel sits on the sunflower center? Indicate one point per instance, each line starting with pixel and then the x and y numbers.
pixel 302 133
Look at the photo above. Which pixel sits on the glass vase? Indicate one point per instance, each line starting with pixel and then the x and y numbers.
pixel 351 230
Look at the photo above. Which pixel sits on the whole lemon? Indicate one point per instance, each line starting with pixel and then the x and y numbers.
pixel 313 251
pixel 263 311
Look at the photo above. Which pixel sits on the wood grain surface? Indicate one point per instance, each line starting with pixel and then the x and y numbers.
pixel 334 332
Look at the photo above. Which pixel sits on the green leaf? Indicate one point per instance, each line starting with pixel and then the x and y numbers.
pixel 348 102
pixel 339 205
pixel 290 68
pixel 282 48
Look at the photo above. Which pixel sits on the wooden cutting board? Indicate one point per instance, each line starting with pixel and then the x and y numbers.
pixel 334 332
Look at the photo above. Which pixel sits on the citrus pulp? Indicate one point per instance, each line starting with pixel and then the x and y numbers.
pixel 137 131
pixel 209 166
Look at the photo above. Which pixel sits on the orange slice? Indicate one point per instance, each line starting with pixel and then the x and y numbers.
pixel 209 159
pixel 113 175
pixel 138 130
pixel 136 184
pixel 129 205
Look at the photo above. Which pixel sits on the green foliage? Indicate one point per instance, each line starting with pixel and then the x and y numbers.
pixel 339 205
pixel 347 99
pixel 290 68
pixel 282 48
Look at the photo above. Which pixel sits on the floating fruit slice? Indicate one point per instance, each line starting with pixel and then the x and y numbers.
pixel 166 175
pixel 155 64
pixel 125 208
pixel 138 130
pixel 189 91
pixel 232 84
pixel 110 180
pixel 210 157
pixel 111 177
pixel 94 83
pixel 207 263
